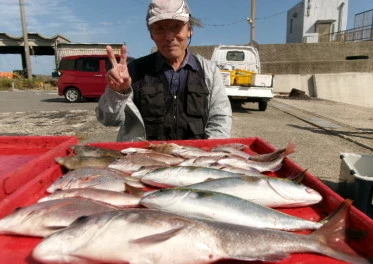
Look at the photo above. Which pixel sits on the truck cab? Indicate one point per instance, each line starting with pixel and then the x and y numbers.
pixel 241 73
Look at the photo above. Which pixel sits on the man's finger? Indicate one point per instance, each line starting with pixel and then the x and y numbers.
pixel 123 55
pixel 111 55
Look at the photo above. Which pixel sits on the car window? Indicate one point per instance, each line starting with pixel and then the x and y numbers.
pixel 67 64
pixel 109 65
pixel 88 64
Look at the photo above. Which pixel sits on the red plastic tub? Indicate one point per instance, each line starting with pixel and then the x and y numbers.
pixel 24 157
pixel 18 249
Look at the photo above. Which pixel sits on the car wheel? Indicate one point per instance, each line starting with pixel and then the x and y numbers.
pixel 72 95
pixel 262 105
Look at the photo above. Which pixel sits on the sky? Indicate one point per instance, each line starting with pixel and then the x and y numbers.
pixel 123 21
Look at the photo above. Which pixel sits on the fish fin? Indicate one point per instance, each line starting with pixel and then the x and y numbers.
pixel 160 237
pixel 333 232
pixel 133 190
pixel 270 258
pixel 289 149
pixel 298 177
pixel 55 228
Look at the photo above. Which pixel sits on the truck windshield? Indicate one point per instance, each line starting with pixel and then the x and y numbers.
pixel 235 55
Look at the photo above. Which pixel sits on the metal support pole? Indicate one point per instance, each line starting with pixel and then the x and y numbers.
pixel 252 21
pixel 25 40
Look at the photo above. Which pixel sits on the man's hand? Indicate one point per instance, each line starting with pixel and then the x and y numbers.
pixel 118 77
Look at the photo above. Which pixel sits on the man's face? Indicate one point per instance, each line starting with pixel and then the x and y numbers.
pixel 171 37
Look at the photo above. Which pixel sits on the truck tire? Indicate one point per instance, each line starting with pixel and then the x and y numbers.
pixel 262 105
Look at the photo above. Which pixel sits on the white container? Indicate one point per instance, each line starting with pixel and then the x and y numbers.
pixel 357 173
pixel 261 80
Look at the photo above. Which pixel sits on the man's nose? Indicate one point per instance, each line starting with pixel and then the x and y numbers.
pixel 169 35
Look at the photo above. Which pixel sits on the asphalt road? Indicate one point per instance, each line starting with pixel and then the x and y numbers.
pixel 317 147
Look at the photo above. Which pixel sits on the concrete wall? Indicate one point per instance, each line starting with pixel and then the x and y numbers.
pixel 319 69
pixel 309 58
pixel 351 88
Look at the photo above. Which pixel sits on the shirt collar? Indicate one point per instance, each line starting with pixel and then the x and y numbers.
pixel 189 60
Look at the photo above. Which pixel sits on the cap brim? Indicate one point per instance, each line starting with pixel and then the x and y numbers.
pixel 172 16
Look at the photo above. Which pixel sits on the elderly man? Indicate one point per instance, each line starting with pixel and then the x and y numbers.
pixel 170 94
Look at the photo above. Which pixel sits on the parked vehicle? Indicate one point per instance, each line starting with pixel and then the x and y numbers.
pixel 83 76
pixel 240 68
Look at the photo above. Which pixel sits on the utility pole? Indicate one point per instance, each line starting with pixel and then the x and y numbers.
pixel 251 21
pixel 25 41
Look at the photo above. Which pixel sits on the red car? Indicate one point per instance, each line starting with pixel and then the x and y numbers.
pixel 83 76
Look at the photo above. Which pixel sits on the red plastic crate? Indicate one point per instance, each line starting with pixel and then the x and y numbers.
pixel 18 249
pixel 24 157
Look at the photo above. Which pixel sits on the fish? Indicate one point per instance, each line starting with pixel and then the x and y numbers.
pixel 117 199
pixel 134 162
pixel 132 150
pixel 74 162
pixel 92 151
pixel 260 166
pixel 232 150
pixel 202 161
pixel 274 154
pixel 185 152
pixel 245 172
pixel 142 171
pixel 222 207
pixel 84 173
pixel 110 182
pixel 152 236
pixel 163 157
pixel 266 191
pixel 182 175
pixel 44 218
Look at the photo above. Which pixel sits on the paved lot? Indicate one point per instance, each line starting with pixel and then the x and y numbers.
pixel 321 130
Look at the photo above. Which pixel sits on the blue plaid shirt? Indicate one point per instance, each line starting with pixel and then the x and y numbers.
pixel 175 78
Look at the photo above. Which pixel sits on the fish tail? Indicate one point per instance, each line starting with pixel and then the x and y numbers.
pixel 331 236
pixel 289 149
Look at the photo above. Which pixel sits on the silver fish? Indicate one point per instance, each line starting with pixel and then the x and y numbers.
pixel 150 236
pixel 166 158
pixel 261 166
pixel 266 191
pixel 184 151
pixel 232 150
pixel 45 218
pixel 274 154
pixel 245 172
pixel 110 182
pixel 202 161
pixel 182 175
pixel 117 199
pixel 76 162
pixel 223 208
pixel 92 151
pixel 134 162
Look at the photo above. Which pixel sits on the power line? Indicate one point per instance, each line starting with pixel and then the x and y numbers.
pixel 245 20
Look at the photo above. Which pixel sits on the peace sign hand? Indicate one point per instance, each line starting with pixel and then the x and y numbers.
pixel 118 77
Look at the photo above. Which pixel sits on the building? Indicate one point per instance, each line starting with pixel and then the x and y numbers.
pixel 310 20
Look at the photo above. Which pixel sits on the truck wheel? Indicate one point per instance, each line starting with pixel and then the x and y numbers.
pixel 72 95
pixel 262 105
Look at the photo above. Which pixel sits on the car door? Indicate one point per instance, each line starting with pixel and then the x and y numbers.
pixel 92 76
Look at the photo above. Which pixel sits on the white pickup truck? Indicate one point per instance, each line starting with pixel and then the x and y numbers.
pixel 240 68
